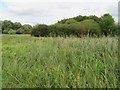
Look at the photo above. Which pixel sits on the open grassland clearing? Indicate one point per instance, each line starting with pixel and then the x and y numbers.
pixel 59 62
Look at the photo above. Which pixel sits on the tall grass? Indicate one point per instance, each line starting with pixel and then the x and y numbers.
pixel 59 62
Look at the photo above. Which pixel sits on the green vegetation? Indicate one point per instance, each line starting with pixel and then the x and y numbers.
pixel 9 27
pixel 77 26
pixel 107 25
pixel 40 30
pixel 59 62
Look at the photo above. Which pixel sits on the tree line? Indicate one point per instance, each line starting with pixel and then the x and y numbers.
pixel 76 26
pixel 8 27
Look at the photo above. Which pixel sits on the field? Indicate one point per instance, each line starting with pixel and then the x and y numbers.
pixel 59 62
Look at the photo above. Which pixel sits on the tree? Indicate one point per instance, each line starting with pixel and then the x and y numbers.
pixel 62 21
pixel 107 24
pixel 25 29
pixel 69 21
pixel 95 18
pixel 6 25
pixel 40 30
pixel 90 27
pixel 20 31
pixel 57 29
pixel 5 31
pixel 11 31
pixel 79 18
pixel 16 25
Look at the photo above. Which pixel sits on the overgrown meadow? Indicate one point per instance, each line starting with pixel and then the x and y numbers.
pixel 59 62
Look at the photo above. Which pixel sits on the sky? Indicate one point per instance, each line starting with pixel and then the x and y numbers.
pixel 50 11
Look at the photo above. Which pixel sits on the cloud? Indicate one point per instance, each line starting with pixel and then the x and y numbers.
pixel 113 10
pixel 43 11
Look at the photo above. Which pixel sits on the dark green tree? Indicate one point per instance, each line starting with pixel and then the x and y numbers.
pixel 79 18
pixel 6 25
pixel 16 25
pixel 25 29
pixel 89 27
pixel 40 30
pixel 107 24
pixel 95 18
pixel 11 31
pixel 69 21
pixel 62 21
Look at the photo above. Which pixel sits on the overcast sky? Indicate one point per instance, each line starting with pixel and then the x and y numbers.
pixel 50 11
